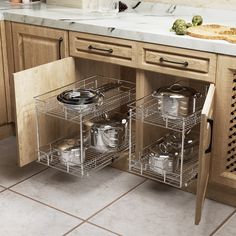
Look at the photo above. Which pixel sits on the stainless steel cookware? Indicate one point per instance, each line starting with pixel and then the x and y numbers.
pixel 109 133
pixel 173 144
pixel 81 99
pixel 161 161
pixel 69 151
pixel 176 100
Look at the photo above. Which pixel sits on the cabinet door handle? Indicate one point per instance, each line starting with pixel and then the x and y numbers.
pixel 59 48
pixel 163 60
pixel 109 50
pixel 208 150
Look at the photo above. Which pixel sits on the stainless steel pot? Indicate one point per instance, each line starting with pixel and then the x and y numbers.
pixel 176 100
pixel 72 156
pixel 69 151
pixel 172 143
pixel 160 161
pixel 108 134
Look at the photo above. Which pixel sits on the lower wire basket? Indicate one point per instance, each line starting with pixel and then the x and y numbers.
pixel 94 160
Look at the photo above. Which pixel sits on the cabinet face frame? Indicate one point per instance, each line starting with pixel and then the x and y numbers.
pixel 226 74
pixel 3 87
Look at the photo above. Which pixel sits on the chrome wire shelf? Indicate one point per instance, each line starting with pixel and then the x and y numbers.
pixel 143 168
pixel 115 98
pixel 94 160
pixel 146 110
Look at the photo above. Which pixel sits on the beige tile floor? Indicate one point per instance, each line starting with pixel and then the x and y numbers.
pixel 39 201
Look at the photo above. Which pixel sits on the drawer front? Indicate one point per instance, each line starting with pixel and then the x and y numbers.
pixel 178 62
pixel 101 48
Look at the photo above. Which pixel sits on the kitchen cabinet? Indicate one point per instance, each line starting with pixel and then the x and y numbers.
pixel 152 66
pixel 6 128
pixel 224 136
pixel 34 45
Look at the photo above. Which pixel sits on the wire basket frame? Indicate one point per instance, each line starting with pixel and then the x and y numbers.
pixel 114 98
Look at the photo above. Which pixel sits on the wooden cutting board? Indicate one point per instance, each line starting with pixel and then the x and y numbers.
pixel 213 32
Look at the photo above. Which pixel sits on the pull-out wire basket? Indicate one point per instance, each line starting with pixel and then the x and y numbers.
pixel 57 121
pixel 144 112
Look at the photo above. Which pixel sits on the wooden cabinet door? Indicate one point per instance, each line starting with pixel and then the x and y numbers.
pixel 204 151
pixel 34 45
pixel 28 84
pixel 224 153
pixel 3 104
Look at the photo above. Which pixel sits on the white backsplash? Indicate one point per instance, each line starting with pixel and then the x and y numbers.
pixel 222 4
pixel 93 4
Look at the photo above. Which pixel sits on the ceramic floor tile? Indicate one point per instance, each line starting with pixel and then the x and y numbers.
pixel 154 209
pixel 90 230
pixel 10 173
pixel 22 216
pixel 81 197
pixel 229 228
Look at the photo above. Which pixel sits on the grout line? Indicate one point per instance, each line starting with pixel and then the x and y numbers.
pixel 98 226
pixel 1 191
pixel 27 178
pixel 87 220
pixel 74 228
pixel 222 223
pixel 104 228
pixel 52 207
pixel 2 186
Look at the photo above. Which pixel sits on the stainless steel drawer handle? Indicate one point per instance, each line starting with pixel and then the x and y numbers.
pixel 184 63
pixel 90 47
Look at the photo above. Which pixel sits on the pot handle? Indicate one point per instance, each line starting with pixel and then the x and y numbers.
pixel 105 136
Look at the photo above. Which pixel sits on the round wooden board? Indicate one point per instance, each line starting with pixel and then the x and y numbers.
pixel 217 32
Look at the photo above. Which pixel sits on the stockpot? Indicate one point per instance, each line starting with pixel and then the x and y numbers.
pixel 176 100
pixel 109 133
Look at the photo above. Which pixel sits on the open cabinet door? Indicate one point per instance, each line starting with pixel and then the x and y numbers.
pixel 28 84
pixel 204 151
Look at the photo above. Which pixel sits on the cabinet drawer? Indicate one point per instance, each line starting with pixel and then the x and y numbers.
pixel 179 62
pixel 101 48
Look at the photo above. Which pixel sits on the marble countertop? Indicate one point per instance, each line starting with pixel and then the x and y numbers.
pixel 147 23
